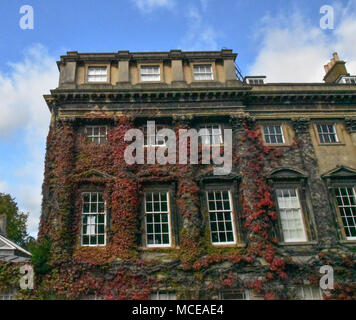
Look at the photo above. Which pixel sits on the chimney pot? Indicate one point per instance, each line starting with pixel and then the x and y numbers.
pixel 334 69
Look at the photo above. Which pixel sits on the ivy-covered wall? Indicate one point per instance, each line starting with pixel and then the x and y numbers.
pixel 194 268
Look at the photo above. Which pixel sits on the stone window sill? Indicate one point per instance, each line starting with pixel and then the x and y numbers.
pixel 276 144
pixel 233 245
pixel 158 248
pixel 350 242
pixel 305 243
pixel 331 144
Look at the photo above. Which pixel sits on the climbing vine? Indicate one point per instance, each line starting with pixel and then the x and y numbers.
pixel 194 268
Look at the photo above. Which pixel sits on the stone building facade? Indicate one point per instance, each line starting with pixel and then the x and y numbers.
pixel 262 231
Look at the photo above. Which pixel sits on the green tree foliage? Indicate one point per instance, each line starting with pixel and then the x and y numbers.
pixel 40 255
pixel 15 220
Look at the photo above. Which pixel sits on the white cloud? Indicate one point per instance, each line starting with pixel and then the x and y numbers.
pixel 3 186
pixel 292 49
pixel 23 110
pixel 147 6
pixel 200 35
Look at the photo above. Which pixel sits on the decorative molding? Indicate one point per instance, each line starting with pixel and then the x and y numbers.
pixel 350 124
pixel 94 173
pixel 237 120
pixel 287 175
pixel 185 120
pixel 340 172
pixel 301 124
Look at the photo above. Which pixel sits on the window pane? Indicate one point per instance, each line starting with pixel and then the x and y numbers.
pixel 97 134
pixel 97 74
pixel 327 133
pixel 150 73
pixel 346 199
pixel 157 224
pixel 203 72
pixel 273 134
pixel 291 215
pixel 220 217
pixel 211 134
pixel 93 221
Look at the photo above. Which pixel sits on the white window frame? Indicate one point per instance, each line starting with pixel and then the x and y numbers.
pixel 301 292
pixel 244 292
pixel 217 211
pixel 161 295
pixel 146 74
pixel 147 138
pixel 97 223
pixel 92 136
pixel 98 74
pixel 328 133
pixel 348 80
pixel 300 218
pixel 210 128
pixel 346 206
pixel 162 245
pixel 255 81
pixel 6 296
pixel 199 75
pixel 269 134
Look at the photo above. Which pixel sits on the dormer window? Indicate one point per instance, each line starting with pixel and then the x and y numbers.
pixel 347 80
pixel 255 80
pixel 150 73
pixel 97 74
pixel 203 72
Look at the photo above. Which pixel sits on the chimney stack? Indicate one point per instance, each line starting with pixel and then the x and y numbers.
pixel 3 224
pixel 335 69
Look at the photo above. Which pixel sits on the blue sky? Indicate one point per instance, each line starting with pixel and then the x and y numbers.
pixel 280 39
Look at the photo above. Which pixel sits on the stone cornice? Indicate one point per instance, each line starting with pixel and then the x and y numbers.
pixel 137 56
pixel 246 94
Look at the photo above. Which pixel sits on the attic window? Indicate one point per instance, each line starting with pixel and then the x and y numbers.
pixel 97 74
pixel 203 72
pixel 150 73
pixel 255 81
pixel 348 80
